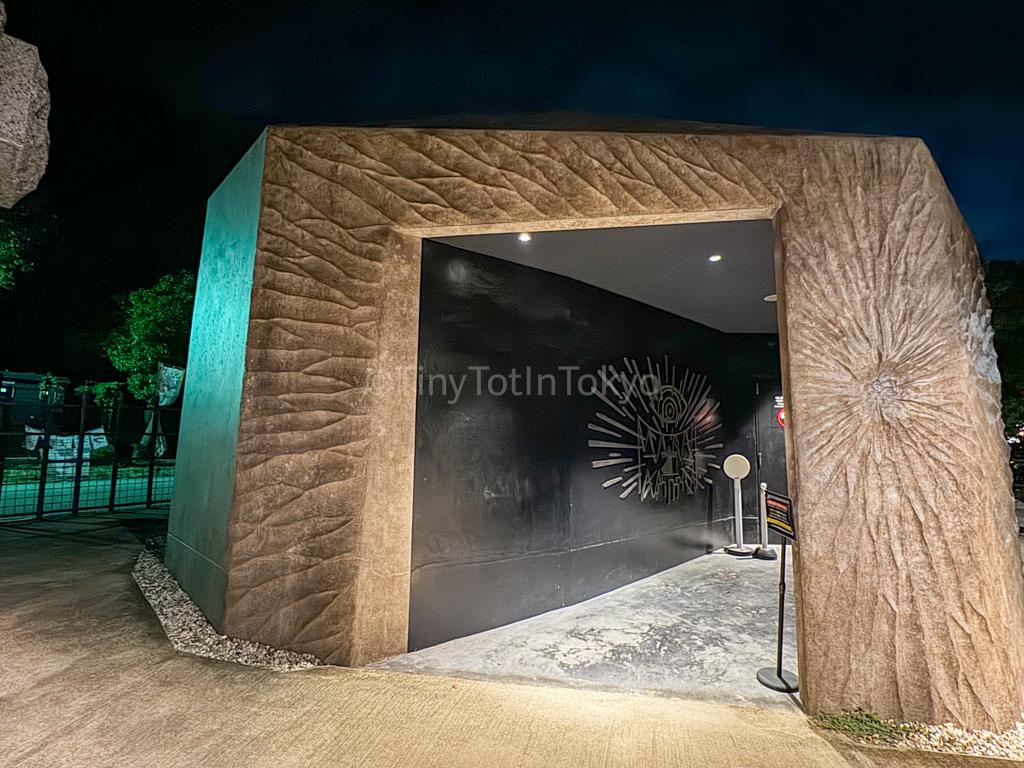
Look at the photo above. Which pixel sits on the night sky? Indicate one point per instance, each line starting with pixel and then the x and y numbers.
pixel 151 108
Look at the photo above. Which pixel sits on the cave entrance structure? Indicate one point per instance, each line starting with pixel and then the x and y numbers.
pixel 293 515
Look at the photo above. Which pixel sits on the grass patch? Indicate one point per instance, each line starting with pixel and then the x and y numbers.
pixel 860 724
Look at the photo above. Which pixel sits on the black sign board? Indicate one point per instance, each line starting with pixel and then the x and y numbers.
pixel 780 515
pixel 780 518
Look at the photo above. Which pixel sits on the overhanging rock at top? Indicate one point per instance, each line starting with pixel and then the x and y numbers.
pixel 24 111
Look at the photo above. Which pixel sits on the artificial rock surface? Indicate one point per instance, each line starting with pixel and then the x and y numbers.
pixel 24 111
pixel 911 602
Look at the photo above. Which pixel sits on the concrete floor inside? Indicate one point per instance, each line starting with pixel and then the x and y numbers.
pixel 699 631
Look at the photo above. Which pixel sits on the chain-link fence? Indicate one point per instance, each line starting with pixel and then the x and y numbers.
pixel 58 457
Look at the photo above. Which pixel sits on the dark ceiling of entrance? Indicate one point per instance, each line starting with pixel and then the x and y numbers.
pixel 665 266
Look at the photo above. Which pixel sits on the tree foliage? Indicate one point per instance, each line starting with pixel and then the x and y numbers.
pixel 28 234
pixel 154 329
pixel 11 260
pixel 1005 283
pixel 105 393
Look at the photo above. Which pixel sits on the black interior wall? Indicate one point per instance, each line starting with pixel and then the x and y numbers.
pixel 509 517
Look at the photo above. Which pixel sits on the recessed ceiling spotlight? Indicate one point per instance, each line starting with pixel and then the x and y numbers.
pixel 772 297
pixel 525 237
pixel 716 257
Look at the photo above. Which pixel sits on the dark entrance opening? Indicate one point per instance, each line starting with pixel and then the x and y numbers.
pixel 577 394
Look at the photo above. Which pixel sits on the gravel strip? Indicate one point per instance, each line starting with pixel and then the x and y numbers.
pixel 190 632
pixel 950 739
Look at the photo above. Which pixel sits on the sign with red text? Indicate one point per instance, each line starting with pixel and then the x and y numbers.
pixel 779 515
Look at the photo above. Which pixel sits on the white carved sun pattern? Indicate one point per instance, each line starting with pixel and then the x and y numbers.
pixel 658 430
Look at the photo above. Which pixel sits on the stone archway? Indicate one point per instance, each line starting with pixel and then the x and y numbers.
pixel 911 602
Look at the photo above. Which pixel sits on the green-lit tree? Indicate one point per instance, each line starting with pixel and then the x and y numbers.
pixel 154 329
pixel 11 259
pixel 28 236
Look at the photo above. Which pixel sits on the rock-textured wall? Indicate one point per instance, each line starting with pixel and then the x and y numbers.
pixel 24 111
pixel 910 568
pixel 911 597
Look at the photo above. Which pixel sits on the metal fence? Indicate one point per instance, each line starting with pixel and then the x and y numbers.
pixel 58 457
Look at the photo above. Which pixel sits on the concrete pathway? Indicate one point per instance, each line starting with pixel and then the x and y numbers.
pixel 87 679
pixel 698 631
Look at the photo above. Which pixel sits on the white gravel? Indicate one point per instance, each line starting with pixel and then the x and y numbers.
pixel 190 632
pixel 950 739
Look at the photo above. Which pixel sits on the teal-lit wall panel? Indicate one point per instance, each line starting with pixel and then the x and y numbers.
pixel 204 481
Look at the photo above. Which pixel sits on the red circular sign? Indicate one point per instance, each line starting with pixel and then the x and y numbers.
pixel 781 417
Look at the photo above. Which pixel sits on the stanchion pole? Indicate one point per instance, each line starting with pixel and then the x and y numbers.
pixel 782 610
pixel 779 679
pixel 764 552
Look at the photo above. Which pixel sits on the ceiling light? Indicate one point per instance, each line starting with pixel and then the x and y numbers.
pixel 716 257
pixel 525 237
pixel 772 297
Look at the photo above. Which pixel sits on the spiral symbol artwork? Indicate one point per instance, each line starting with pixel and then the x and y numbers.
pixel 658 431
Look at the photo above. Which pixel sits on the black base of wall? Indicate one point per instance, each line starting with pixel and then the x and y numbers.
pixel 473 597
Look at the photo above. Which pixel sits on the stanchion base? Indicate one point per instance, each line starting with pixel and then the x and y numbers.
pixel 744 551
pixel 788 683
pixel 765 553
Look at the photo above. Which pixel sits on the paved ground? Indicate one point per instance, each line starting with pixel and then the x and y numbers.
pixel 87 679
pixel 699 631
